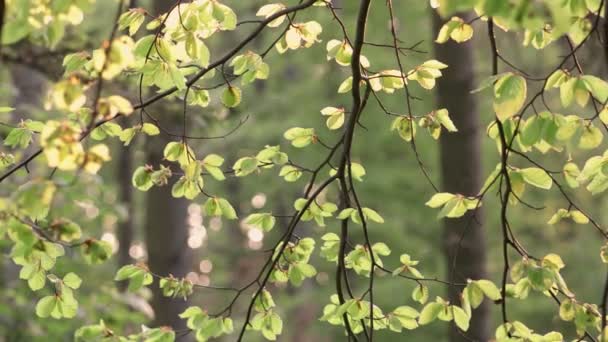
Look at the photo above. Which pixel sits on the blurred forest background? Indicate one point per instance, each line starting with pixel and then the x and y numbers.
pixel 174 237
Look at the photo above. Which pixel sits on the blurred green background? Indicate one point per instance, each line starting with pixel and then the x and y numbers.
pixel 227 253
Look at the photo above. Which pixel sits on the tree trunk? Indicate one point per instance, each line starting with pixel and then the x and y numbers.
pixel 166 241
pixel 125 228
pixel 464 238
pixel 30 87
pixel 165 225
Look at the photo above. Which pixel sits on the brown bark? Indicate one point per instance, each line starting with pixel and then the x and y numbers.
pixel 166 229
pixel 30 87
pixel 166 240
pixel 125 228
pixel 464 238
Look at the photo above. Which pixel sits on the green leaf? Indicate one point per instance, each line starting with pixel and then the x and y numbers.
pixel 72 281
pixel 430 312
pixel 231 97
pixel 456 29
pixel 270 9
pixel 604 254
pixel 6 109
pixel 444 119
pixel 126 272
pixel 439 199
pixel 178 151
pixel 406 317
pixel 199 97
pixel 372 215
pixel 487 82
pixel 531 131
pixel 581 93
pixel 37 280
pixel 604 115
pixel 567 310
pixel 46 306
pixel 489 289
pixel 142 179
pixel 537 177
pixel 473 294
pixel 405 127
pixel 299 272
pixel 176 76
pixel 380 248
pixel 591 137
pixel 150 129
pixel 18 137
pixel 197 50
pixel 245 166
pixel 460 318
pixel 212 164
pixel 13 31
pixel 510 93
pixel 213 160
pixel 556 79
pixel 453 208
pixel 597 87
pixel 578 217
pixel 227 209
pixel 571 173
pixel 225 15
pixel 34 198
pixel 300 137
pixel 558 216
pixel 346 213
pixel 358 171
pixel 335 116
pixel 264 221
pixel 290 173
pixel 566 91
pixel 132 20
pixel 540 278
pixel 346 85
pixel 421 294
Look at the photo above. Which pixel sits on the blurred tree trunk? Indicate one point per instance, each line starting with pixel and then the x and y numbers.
pixel 461 171
pixel 166 240
pixel 125 228
pixel 166 225
pixel 28 89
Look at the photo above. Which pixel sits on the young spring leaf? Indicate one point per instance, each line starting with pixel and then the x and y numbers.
pixel 461 318
pixel 72 281
pixel 335 117
pixel 537 177
pixel 456 29
pixel 300 137
pixel 509 95
pixel 231 97
pixel 430 312
pixel 46 306
pixel 35 197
